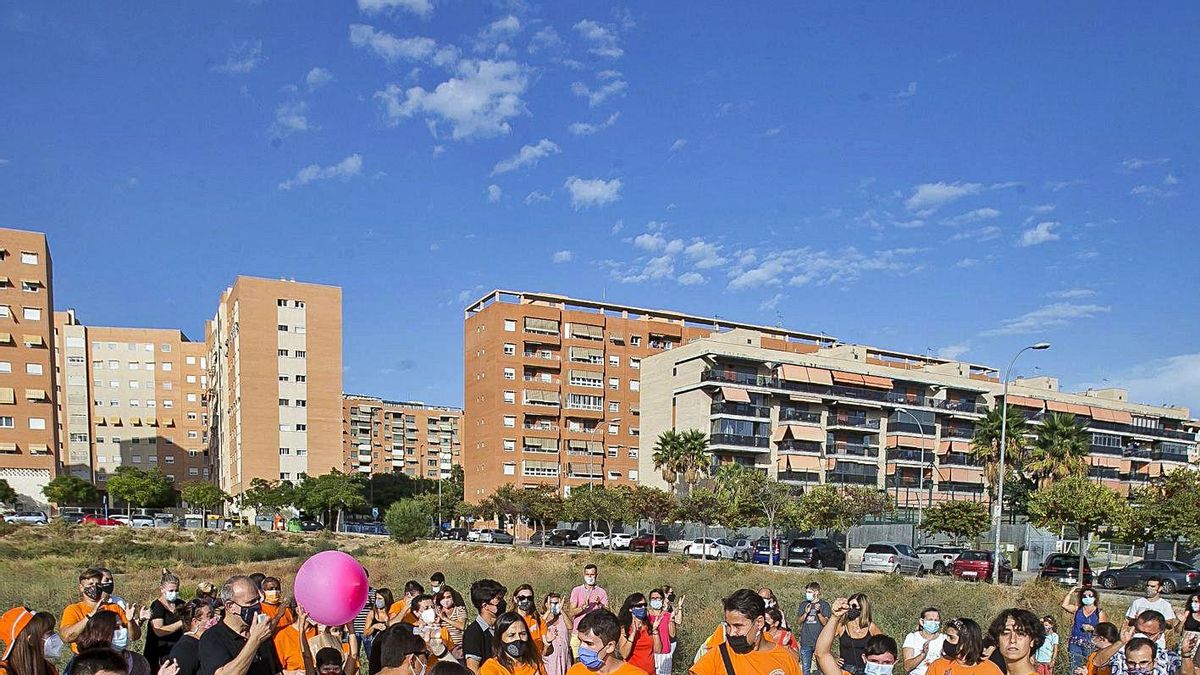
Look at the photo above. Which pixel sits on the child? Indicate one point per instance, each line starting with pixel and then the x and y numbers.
pixel 1048 652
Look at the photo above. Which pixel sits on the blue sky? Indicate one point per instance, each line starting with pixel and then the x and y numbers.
pixel 960 179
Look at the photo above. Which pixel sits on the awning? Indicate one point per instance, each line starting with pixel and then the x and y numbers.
pixel 961 474
pixel 1121 417
pixel 7 396
pixel 779 433
pixel 580 330
pixel 32 282
pixel 847 378
pixel 115 421
pixel 34 340
pixel 168 421
pixel 877 382
pixel 1058 406
pixel 100 421
pixel 585 375
pixel 790 372
pixel 661 329
pixel 38 449
pixel 152 421
pixel 35 395
pixel 952 445
pixel 545 443
pixel 1026 402
pixel 1075 409
pixel 1105 460
pixel 547 325
pixel 543 396
pixel 135 421
pixel 735 395
pixel 1101 415
pixel 801 398
pixel 819 376
pixel 584 353
pixel 8 447
pixel 804 432
pixel 906 441
pixel 798 463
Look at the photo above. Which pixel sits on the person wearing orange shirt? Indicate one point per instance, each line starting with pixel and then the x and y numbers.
pixel 273 605
pixel 523 600
pixel 962 652
pixel 515 652
pixel 599 631
pixel 32 647
pixel 75 616
pixel 1106 640
pixel 746 650
pixel 879 654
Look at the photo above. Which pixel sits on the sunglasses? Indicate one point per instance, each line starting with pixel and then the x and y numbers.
pixel 524 597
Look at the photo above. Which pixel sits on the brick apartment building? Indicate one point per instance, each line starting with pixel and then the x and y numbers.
pixel 409 437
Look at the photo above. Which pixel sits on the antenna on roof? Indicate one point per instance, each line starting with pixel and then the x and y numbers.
pixel 779 318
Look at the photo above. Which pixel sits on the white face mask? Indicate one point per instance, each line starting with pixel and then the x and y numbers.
pixel 120 639
pixel 424 666
pixel 428 616
pixel 52 647
pixel 873 668
pixel 590 580
pixel 435 588
pixel 380 603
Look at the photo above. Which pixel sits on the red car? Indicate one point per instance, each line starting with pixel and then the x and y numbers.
pixel 977 566
pixel 101 521
pixel 642 543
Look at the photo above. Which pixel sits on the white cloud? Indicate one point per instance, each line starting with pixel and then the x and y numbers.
pixel 438 150
pixel 604 40
pixel 691 279
pixel 1042 209
pixel 536 196
pixel 290 117
pixel 563 256
pixel 1060 185
pixel 476 103
pixel 1170 179
pixel 587 128
pixel 953 351
pixel 343 170
pixel 771 303
pixel 704 255
pixel 650 241
pixel 1055 315
pixel 964 263
pixel 1135 163
pixel 497 31
pixel 1174 380
pixel 617 227
pixel 614 86
pixel 546 38
pixel 317 78
pixel 678 144
pixel 802 266
pixel 773 131
pixel 985 233
pixel 422 8
pixel 494 193
pixel 528 155
pixel 587 192
pixel 389 47
pixel 908 92
pixel 245 57
pixel 986 213
pixel 1072 294
pixel 931 196
pixel 1039 234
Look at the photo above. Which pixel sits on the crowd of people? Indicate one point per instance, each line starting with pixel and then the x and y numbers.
pixel 247 626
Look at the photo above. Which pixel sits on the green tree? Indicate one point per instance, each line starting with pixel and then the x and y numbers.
pixel 1060 450
pixel 68 490
pixel 985 444
pixel 682 457
pixel 507 500
pixel 542 505
pixel 407 520
pixel 826 507
pixel 270 497
pixel 1080 503
pixel 331 494
pixel 653 505
pixel 752 498
pixel 203 494
pixel 1170 509
pixel 7 494
pixel 959 519
pixel 701 505
pixel 143 489
pixel 598 502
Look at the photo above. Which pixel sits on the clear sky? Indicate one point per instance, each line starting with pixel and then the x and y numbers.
pixel 959 178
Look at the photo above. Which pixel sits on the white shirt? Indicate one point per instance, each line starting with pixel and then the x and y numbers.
pixel 916 641
pixel 1161 605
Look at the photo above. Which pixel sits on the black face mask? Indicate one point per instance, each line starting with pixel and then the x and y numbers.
pixel 524 604
pixel 516 648
pixel 853 613
pixel 739 643
pixel 950 650
pixel 108 588
pixel 501 607
pixel 248 613
pixel 670 597
pixel 93 593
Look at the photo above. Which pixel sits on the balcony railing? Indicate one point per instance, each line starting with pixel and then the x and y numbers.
pixel 960 406
pixel 959 459
pixel 1145 431
pixel 853 422
pixel 736 439
pixel 1168 456
pixel 543 356
pixel 854 450
pixel 957 432
pixel 955 486
pixel 794 415
pixel 1106 450
pixel 806 447
pixel 905 455
pixel 541 426
pixel 854 478
pixel 1137 453
pixel 533 378
pixel 744 409
pixel 1109 472
pixel 905 427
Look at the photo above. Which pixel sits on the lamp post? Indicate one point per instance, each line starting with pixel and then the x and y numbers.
pixel 921 473
pixel 998 509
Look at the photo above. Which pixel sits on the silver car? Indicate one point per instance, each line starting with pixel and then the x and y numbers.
pixel 888 557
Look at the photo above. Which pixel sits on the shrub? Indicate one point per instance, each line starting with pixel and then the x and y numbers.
pixel 406 521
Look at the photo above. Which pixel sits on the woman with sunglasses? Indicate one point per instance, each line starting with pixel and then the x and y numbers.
pixel 523 600
pixel 1083 604
pixel 515 653
pixel 639 643
pixel 854 631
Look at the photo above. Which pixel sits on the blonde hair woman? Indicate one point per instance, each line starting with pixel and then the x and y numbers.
pixel 854 629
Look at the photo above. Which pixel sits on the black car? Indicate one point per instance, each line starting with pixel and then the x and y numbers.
pixel 1063 568
pixel 816 552
pixel 311 526
pixel 75 518
pixel 454 533
pixel 540 538
pixel 1175 575
pixel 563 538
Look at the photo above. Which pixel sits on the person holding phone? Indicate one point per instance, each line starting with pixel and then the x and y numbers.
pixel 557 660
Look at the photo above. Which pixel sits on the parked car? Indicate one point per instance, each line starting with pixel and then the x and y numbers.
pixel 163 520
pixel 620 540
pixel 642 543
pixel 977 566
pixel 453 534
pixel 938 559
pixel 768 552
pixel 592 540
pixel 539 538
pixel 94 519
pixel 715 549
pixel 890 557
pixel 473 535
pixel 1063 568
pixel 563 538
pixel 1175 575
pixel 817 552
pixel 498 537
pixel 743 549
pixel 30 517
pixel 139 520
pixel 74 518
pixel 310 525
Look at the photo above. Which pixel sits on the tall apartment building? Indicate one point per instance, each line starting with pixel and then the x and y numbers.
pixel 28 433
pixel 552 387
pixel 406 437
pixel 130 397
pixel 275 374
pixel 811 413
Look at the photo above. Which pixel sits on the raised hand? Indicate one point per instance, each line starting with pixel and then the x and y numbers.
pixel 169 668
pixel 260 629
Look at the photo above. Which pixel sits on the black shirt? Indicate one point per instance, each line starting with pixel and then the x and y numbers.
pixel 158 647
pixel 220 644
pixel 477 641
pixel 186 653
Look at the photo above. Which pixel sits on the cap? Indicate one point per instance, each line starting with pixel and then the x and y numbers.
pixel 206 587
pixel 11 624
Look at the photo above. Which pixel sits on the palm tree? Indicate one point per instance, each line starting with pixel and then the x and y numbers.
pixel 682 456
pixel 985 444
pixel 668 454
pixel 1060 450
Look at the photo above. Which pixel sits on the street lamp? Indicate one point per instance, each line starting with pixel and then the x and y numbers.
pixel 998 509
pixel 921 473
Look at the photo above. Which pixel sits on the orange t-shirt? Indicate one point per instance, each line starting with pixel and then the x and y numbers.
pixel 286 616
pixel 944 666
pixel 75 613
pixel 287 647
pixel 400 607
pixel 623 669
pixel 776 660
pixel 493 667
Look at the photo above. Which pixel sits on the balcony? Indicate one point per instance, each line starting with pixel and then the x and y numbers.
pixel 1106 450
pixel 958 432
pixel 545 356
pixel 961 488
pixel 1137 453
pixel 738 440
pixel 960 459
pixel 854 450
pixel 852 478
pixel 1105 472
pixel 1138 478
pixel 1144 431
pixel 540 426
pixel 541 380
pixel 829 391
pixel 911 428
pixel 853 422
pixel 906 455
pixel 959 406
pixel 743 409
pixel 803 447
pixel 1169 456
pixel 795 415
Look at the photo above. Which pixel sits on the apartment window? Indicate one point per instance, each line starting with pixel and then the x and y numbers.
pixel 614 429
pixel 301 427
pixel 299 304
pixel 136 440
pixel 283 352
pixel 301 403
pixel 510 445
pixel 301 378
pixel 281 302
pixel 634 431
pixel 190 360
pixel 510 421
pixel 5 366
pixel 285 451
pixel 31 313
pixel 191 379
pixel 6 423
pixel 614 475
pixel 635 363
pixel 284 401
pixel 29 286
pixel 635 385
pixel 614 361
pixel 283 378
pixel 5 312
pixel 301 452
pixel 113 365
pixel 300 353
pixel 171 404
pixel 134 403
pixel 509 349
pixel 285 427
pixel 614 383
pixel 29 258
pixel 169 459
pixel 114 403
pixel 510 374
pixel 165 347
pixel 149 403
pixel 33 369
pixel 510 468
pixel 114 384
pixel 635 341
pixel 282 328
pixel 510 325
pixel 633 453
pixel 191 416
pixel 167 365
pixel 37 423
pixel 510 397
pixel 134 384
pixel 137 459
pixel 613 451
pixel 633 474
pixel 298 330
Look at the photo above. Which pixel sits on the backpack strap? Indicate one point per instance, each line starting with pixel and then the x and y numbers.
pixel 725 658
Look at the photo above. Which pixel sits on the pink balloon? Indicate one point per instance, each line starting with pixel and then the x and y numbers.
pixel 332 587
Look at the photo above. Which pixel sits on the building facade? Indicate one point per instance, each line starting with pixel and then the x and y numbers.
pixel 275 375
pixel 28 431
pixel 851 414
pixel 552 387
pixel 130 397
pixel 409 437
